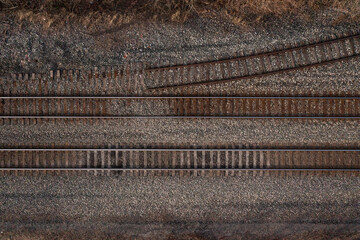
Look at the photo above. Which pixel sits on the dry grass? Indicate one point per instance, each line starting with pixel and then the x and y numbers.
pixel 114 12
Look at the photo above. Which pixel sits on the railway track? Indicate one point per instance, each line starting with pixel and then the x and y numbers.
pixel 125 80
pixel 84 108
pixel 256 64
pixel 179 161
pixel 135 78
pixel 120 92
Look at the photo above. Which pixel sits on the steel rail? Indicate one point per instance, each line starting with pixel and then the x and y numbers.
pixel 181 117
pixel 179 97
pixel 256 55
pixel 250 76
pixel 179 149
pixel 186 169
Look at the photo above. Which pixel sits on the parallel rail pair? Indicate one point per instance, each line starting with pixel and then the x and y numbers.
pixel 68 107
pixel 181 161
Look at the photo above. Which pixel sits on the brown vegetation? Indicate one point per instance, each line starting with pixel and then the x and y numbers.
pixel 112 12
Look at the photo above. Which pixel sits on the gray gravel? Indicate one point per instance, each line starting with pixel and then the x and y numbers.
pixel 188 132
pixel 64 202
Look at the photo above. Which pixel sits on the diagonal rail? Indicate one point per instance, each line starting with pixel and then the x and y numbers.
pixel 286 50
pixel 250 76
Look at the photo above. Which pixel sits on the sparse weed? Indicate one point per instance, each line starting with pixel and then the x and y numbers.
pixel 114 12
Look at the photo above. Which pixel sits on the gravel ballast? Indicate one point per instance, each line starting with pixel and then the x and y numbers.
pixel 63 202
pixel 197 132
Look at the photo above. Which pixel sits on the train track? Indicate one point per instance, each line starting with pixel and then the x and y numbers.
pixel 256 65
pixel 179 161
pixel 120 92
pixel 126 80
pixel 20 108
pixel 135 78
